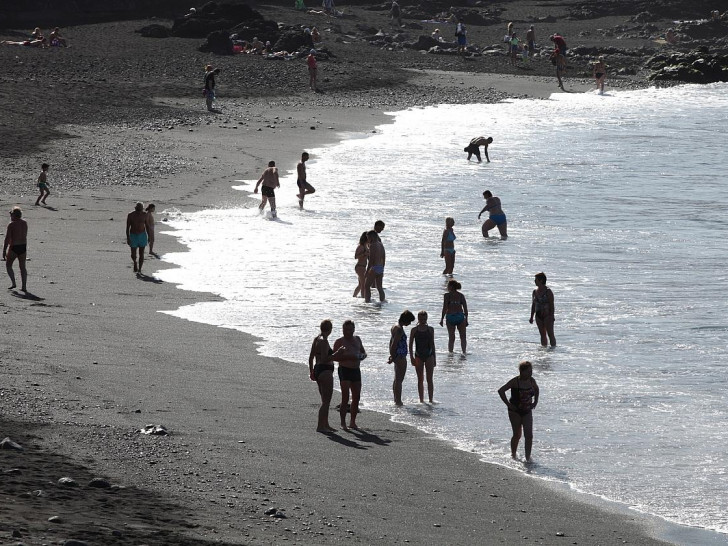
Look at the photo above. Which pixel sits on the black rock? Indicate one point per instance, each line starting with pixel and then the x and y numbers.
pixel 155 31
pixel 99 483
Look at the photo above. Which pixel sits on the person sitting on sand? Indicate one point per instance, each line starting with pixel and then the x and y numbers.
pixel 398 354
pixel 349 352
pixel 524 399
pixel 437 36
pixel 600 73
pixel 323 373
pixel 455 314
pixel 256 46
pixel 43 190
pixel 496 216
pixel 56 40
pixel 270 181
pixel 14 246
pixel 422 355
pixel 137 234
pixel 473 148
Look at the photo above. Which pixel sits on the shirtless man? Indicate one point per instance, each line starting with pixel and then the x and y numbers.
pixel 349 352
pixel 473 148
pixel 496 216
pixel 375 267
pixel 269 178
pixel 304 188
pixel 138 227
pixel 14 246
pixel 379 227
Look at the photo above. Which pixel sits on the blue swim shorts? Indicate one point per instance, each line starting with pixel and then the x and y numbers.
pixel 498 219
pixel 453 319
pixel 378 269
pixel 138 240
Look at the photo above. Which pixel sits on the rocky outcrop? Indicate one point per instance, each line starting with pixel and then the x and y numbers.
pixel 697 66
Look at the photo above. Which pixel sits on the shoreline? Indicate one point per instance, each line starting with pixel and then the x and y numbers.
pixel 278 452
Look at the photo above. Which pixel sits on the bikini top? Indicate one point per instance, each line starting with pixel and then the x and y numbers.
pixel 451 235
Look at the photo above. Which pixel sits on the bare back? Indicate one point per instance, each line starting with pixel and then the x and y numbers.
pixel 270 177
pixel 137 222
pixel 17 232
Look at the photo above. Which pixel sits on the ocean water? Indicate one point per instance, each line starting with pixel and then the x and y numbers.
pixel 620 199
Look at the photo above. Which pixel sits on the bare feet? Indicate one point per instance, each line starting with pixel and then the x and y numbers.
pixel 12 287
pixel 354 426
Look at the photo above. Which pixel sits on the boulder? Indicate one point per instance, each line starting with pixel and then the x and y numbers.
pixel 218 42
pixel 155 31
pixel 293 40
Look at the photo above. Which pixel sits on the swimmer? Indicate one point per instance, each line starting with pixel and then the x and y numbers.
pixel 304 188
pixel 375 267
pixel 361 255
pixel 349 352
pixel 524 399
pixel 398 354
pixel 422 355
pixel 455 310
pixel 473 148
pixel 542 307
pixel 270 181
pixel 447 246
pixel 323 373
pixel 496 216
pixel 600 74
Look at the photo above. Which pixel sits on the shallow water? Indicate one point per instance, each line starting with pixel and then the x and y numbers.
pixel 620 199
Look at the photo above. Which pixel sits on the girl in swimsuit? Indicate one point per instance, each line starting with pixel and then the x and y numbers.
pixel 361 254
pixel 423 358
pixel 448 246
pixel 455 309
pixel 398 354
pixel 524 398
pixel 323 373
pixel 542 307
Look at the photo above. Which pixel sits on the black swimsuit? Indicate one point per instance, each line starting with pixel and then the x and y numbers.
pixel 521 398
pixel 318 369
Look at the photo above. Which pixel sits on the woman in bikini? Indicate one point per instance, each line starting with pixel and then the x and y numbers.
pixel 361 254
pixel 323 373
pixel 448 246
pixel 422 354
pixel 600 74
pixel 524 398
pixel 455 310
pixel 398 354
pixel 542 307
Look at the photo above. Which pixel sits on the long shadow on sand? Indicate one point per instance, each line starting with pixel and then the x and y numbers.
pixel 147 278
pixel 364 436
pixel 26 296
pixel 345 441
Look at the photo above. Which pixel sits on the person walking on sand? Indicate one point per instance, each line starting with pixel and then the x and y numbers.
pixel 473 148
pixel 496 216
pixel 447 246
pixel 361 254
pixel 558 57
pixel 398 353
pixel 137 234
pixel 531 40
pixel 304 188
pixel 349 351
pixel 542 307
pixel 312 69
pixel 209 90
pixel 43 190
pixel 524 399
pixel 323 373
pixel 270 181
pixel 375 267
pixel 14 246
pixel 150 212
pixel 455 314
pixel 423 356
pixel 600 73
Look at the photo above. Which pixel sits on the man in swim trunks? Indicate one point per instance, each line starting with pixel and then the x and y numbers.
pixel 349 352
pixel 304 188
pixel 375 267
pixel 44 192
pixel 473 148
pixel 15 245
pixel 138 227
pixel 270 181
pixel 496 218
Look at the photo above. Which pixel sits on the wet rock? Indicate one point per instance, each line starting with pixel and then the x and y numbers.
pixel 7 443
pixel 17 534
pixel 13 472
pixel 99 483
pixel 67 482
pixel 271 511
pixel 55 519
pixel 155 430
pixel 697 66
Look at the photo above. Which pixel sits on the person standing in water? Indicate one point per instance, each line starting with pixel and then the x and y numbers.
pixel 349 352
pixel 15 246
pixel 398 354
pixel 600 73
pixel 447 246
pixel 422 355
pixel 323 373
pixel 473 148
pixel 542 307
pixel 270 181
pixel 375 267
pixel 496 216
pixel 137 234
pixel 304 188
pixel 455 313
pixel 361 255
pixel 43 191
pixel 524 399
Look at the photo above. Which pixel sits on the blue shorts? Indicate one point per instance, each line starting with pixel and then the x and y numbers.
pixel 138 240
pixel 378 269
pixel 462 40
pixel 453 319
pixel 498 219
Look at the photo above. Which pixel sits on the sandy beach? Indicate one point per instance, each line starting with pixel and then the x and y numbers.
pixel 89 357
